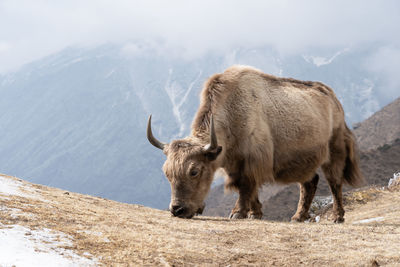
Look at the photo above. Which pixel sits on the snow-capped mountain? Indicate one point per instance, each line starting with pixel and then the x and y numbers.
pixel 77 119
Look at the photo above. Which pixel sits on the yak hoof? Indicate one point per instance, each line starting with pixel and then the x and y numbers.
pixel 339 220
pixel 236 215
pixel 298 218
pixel 255 216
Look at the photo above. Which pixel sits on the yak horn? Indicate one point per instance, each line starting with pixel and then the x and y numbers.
pixel 151 138
pixel 213 137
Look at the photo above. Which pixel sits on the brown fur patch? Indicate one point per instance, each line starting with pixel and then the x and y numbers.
pixel 209 95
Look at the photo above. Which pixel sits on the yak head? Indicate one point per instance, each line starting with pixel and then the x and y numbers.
pixel 189 168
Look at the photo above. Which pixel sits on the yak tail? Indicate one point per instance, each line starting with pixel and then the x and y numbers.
pixel 352 173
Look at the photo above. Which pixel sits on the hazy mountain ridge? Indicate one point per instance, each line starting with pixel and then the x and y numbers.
pixel 78 129
pixel 77 119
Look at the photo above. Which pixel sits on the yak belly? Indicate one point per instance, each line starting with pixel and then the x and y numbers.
pixel 299 166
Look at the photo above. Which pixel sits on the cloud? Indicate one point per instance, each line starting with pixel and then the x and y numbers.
pixel 36 28
pixel 4 47
pixel 385 62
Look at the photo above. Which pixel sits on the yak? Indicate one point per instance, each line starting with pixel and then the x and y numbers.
pixel 258 129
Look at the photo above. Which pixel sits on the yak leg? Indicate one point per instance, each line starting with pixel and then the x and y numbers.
pixel 338 210
pixel 255 209
pixel 247 201
pixel 333 171
pixel 247 205
pixel 242 205
pixel 307 192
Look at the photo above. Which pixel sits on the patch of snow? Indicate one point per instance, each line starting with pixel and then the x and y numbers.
pixel 110 73
pixel 189 89
pixel 366 96
pixel 76 60
pixel 320 61
pixel 376 219
pixel 21 246
pixel 14 213
pixel 172 94
pixel 395 180
pixel 174 91
pixel 10 186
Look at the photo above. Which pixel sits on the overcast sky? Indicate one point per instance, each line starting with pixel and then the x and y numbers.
pixel 32 29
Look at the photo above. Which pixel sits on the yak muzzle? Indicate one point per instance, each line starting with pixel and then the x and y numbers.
pixel 178 211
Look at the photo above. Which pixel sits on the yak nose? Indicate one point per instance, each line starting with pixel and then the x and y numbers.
pixel 177 210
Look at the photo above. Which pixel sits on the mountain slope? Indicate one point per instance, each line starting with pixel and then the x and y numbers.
pixel 378 164
pixel 122 234
pixel 74 121
pixel 381 128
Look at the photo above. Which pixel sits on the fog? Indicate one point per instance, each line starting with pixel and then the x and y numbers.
pixel 33 29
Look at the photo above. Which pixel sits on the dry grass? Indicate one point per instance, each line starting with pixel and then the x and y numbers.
pixel 120 234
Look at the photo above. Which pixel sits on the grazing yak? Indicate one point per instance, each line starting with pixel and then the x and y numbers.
pixel 261 129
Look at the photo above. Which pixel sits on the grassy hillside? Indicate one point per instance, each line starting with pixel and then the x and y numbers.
pixel 117 234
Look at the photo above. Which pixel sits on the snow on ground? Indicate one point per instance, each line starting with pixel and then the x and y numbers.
pixel 14 213
pixel 10 186
pixel 395 180
pixel 376 219
pixel 21 246
pixel 13 187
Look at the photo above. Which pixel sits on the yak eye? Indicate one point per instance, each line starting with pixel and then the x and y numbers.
pixel 194 173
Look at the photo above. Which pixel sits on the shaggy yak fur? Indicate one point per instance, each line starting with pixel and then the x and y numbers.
pixel 261 129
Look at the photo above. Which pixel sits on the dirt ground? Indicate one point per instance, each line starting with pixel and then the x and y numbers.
pixel 118 234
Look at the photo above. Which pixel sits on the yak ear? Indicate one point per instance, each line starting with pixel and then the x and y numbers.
pixel 212 154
